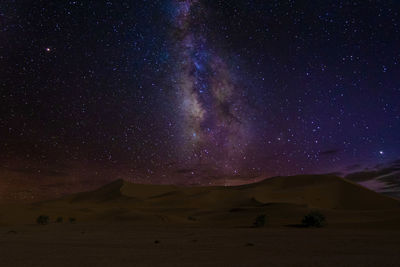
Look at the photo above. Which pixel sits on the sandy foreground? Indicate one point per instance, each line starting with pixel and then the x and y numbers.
pixel 124 244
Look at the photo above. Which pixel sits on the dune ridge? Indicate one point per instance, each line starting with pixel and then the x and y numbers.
pixel 316 191
pixel 284 199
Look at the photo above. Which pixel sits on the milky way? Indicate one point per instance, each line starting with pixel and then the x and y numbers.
pixel 214 120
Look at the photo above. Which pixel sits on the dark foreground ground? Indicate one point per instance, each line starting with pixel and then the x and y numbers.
pixel 120 244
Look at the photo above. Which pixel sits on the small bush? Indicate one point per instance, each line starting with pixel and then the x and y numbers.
pixel 260 221
pixel 72 220
pixel 43 219
pixel 314 219
pixel 59 220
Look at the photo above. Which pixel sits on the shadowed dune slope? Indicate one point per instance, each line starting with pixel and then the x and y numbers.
pixel 321 191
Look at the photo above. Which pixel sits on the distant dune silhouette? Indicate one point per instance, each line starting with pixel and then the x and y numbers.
pixel 284 199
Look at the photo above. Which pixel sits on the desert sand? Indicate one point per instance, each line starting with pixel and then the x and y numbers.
pixel 124 224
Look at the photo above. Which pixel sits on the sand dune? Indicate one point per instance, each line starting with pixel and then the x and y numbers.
pixel 284 199
pixel 124 224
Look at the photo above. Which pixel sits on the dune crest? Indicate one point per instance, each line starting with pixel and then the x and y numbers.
pixel 317 191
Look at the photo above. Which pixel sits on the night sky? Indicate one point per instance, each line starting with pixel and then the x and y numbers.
pixel 197 91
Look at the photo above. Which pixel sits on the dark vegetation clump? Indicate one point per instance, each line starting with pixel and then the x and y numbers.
pixel 72 220
pixel 43 219
pixel 260 221
pixel 190 218
pixel 314 219
pixel 59 220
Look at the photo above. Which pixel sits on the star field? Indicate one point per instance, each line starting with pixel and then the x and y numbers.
pixel 195 91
